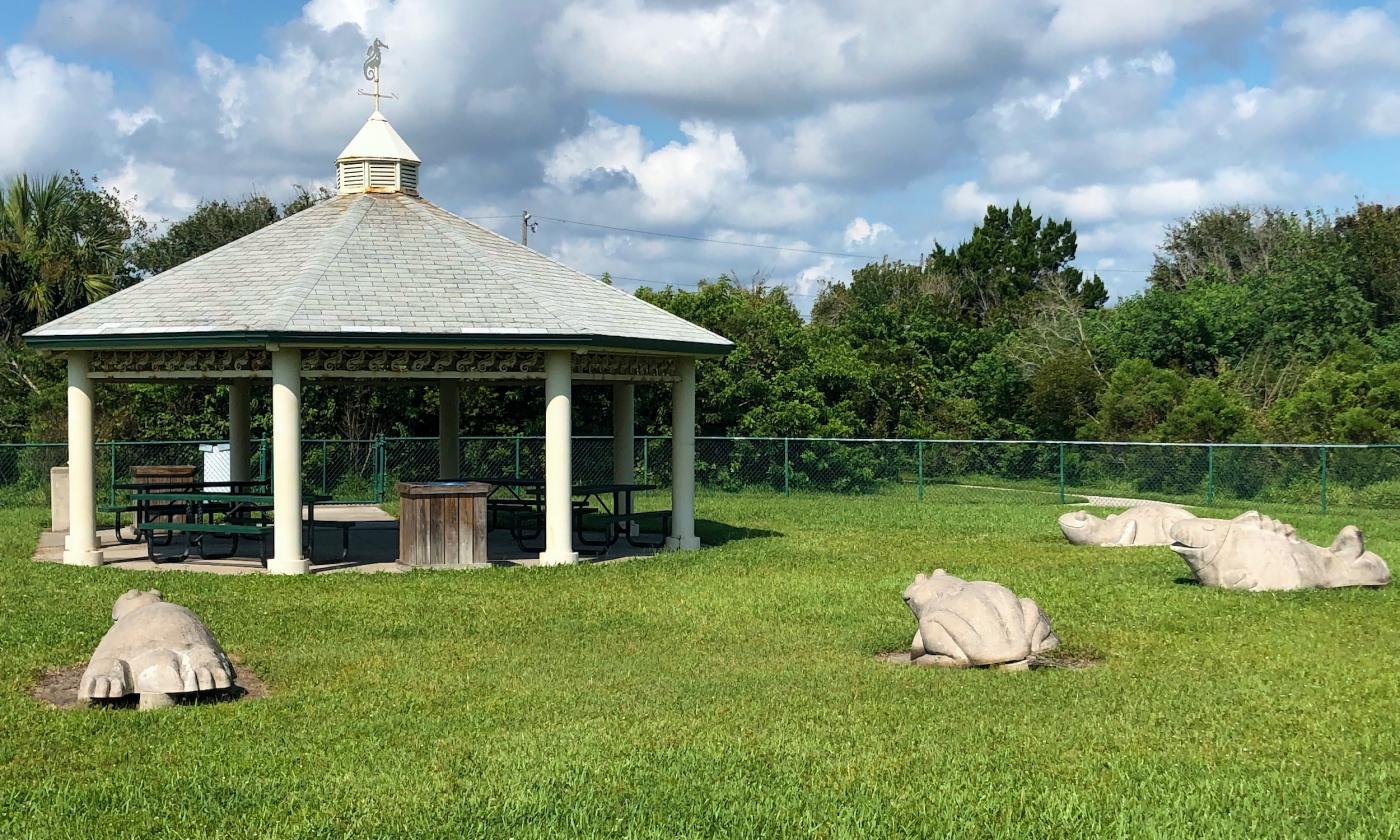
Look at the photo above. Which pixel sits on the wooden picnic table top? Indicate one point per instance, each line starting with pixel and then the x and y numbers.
pixel 187 485
pixel 590 488
pixel 239 498
pixel 602 487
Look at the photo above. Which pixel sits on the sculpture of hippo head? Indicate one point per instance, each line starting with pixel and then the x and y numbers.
pixel 1259 553
pixel 133 600
pixel 1141 525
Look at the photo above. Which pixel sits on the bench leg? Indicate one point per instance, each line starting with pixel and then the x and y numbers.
pixel 660 543
pixel 165 558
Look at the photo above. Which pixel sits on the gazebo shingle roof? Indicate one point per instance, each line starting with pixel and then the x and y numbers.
pixel 389 267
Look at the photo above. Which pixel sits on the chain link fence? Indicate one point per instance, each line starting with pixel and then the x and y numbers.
pixel 1334 477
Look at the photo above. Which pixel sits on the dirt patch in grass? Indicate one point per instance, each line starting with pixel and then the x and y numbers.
pixel 58 689
pixel 1053 659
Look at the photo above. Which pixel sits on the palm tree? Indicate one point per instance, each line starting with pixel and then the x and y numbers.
pixel 60 248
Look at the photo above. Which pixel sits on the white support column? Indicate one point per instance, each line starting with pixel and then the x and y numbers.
pixel 80 547
pixel 287 556
pixel 683 458
pixel 240 447
pixel 624 434
pixel 558 458
pixel 449 430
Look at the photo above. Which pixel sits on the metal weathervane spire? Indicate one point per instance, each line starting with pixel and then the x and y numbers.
pixel 371 67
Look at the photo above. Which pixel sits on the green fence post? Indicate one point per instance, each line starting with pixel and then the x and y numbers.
pixel 921 471
pixel 1210 475
pixel 517 456
pixel 1322 478
pixel 262 459
pixel 323 466
pixel 787 470
pixel 112 478
pixel 646 460
pixel 1062 473
pixel 379 466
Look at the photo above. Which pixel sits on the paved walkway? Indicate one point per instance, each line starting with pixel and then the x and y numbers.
pixel 374 547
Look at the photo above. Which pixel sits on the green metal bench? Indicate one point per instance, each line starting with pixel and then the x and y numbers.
pixel 607 522
pixel 233 530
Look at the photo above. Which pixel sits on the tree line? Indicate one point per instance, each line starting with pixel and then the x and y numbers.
pixel 1256 324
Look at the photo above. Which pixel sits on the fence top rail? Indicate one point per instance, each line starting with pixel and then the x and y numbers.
pixel 735 438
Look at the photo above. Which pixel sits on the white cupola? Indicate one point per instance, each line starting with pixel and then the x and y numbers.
pixel 377 160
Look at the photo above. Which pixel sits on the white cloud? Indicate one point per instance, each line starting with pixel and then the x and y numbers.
pixel 54 112
pixel 781 122
pixel 1366 38
pixel 1080 25
pixel 770 55
pixel 129 122
pixel 127 28
pixel 154 191
pixel 967 201
pixel 1383 116
pixel 862 232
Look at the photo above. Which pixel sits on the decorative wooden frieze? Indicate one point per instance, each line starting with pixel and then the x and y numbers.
pixel 624 367
pixel 468 363
pixel 196 362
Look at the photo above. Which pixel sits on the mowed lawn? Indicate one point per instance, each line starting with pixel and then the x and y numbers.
pixel 731 691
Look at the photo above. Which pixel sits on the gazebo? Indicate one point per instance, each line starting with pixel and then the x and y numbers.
pixel 378 283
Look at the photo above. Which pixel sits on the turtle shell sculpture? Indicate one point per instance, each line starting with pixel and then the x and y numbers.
pixel 969 623
pixel 1259 554
pixel 1141 525
pixel 157 650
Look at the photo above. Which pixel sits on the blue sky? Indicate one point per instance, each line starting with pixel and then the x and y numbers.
pixel 812 124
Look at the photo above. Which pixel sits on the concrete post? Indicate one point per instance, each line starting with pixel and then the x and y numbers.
pixel 240 446
pixel 80 547
pixel 287 556
pixel 624 435
pixel 683 458
pixel 449 430
pixel 558 459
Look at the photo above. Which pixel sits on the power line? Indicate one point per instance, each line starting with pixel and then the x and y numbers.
pixel 713 241
pixel 690 238
pixel 695 284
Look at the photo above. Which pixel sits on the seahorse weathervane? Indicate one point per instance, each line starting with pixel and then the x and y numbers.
pixel 372 59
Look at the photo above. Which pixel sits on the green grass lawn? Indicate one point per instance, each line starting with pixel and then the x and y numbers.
pixel 730 691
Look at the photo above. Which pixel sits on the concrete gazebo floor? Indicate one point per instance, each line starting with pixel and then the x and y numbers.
pixel 374 547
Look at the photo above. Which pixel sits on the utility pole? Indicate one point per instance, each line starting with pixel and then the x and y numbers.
pixel 527 226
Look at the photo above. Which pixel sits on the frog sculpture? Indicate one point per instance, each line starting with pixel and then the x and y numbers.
pixel 969 623
pixel 1141 525
pixel 1259 554
pixel 156 650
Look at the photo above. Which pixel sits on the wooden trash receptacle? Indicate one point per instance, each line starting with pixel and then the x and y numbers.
pixel 181 475
pixel 442 524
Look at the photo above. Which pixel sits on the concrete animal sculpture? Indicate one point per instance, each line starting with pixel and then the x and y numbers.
pixel 156 650
pixel 1257 553
pixel 1141 525
pixel 967 623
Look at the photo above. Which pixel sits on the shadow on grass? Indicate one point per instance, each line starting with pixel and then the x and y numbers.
pixel 711 532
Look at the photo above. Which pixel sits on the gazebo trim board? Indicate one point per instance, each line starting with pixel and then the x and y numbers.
pixel 503 365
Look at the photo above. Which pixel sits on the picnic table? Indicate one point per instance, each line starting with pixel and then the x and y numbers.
pixel 203 513
pixel 521 506
pixel 139 509
pixel 621 518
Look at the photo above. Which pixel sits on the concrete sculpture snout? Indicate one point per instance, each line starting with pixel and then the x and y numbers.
pixel 1257 553
pixel 1141 525
pixel 966 623
pixel 156 650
